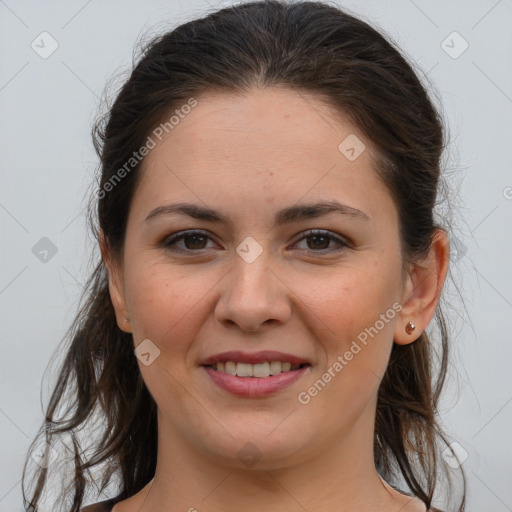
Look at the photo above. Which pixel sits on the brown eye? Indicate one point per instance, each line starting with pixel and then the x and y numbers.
pixel 192 241
pixel 318 241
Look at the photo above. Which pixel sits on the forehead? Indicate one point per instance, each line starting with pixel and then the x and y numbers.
pixel 270 144
pixel 280 121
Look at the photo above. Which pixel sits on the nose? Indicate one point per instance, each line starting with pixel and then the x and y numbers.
pixel 253 294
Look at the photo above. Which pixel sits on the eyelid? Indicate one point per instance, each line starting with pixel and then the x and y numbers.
pixel 322 232
pixel 166 242
pixel 343 243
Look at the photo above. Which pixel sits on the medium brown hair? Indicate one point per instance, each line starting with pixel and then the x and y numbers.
pixel 313 48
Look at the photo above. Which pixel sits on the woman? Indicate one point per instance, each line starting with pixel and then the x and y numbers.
pixel 254 335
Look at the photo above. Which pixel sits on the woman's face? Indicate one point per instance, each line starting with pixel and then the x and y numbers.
pixel 257 280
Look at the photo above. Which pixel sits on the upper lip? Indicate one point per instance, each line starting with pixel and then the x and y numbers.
pixel 253 358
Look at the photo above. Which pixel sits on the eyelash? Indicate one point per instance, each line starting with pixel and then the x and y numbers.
pixel 170 243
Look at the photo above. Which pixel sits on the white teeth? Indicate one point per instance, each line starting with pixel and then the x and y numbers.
pixel 275 367
pixel 244 370
pixel 260 369
pixel 230 367
pixel 255 370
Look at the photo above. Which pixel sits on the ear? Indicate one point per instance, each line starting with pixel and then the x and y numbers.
pixel 115 284
pixel 423 290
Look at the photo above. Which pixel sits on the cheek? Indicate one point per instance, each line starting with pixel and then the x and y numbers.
pixel 354 319
pixel 350 300
pixel 360 320
pixel 167 308
pixel 161 303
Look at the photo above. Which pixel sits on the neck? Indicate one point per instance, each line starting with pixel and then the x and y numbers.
pixel 339 477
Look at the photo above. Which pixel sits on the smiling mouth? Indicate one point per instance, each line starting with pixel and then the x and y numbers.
pixel 259 370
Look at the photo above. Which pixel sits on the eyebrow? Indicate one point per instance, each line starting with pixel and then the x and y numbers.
pixel 284 216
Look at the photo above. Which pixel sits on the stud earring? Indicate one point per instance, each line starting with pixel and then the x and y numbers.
pixel 409 328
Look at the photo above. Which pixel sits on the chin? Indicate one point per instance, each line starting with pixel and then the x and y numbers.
pixel 259 449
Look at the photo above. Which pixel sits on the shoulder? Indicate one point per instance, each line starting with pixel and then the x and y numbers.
pixel 102 506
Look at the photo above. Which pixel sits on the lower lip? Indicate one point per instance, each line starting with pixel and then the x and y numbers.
pixel 254 387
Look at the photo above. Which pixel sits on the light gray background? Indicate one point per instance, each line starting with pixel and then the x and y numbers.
pixel 47 109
